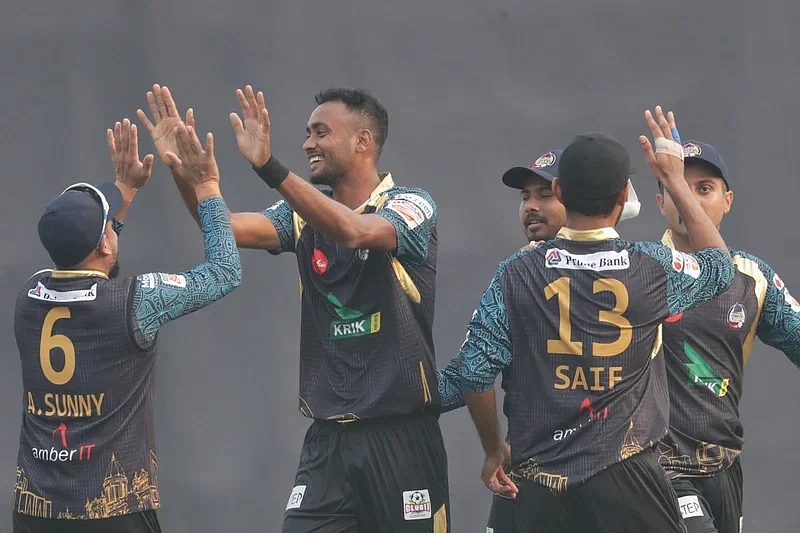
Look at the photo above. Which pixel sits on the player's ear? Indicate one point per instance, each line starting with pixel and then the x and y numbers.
pixel 363 140
pixel 105 247
pixel 728 201
pixel 557 190
pixel 623 197
pixel 660 202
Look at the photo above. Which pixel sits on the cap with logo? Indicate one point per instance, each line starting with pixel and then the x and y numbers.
pixel 73 223
pixel 545 167
pixel 594 166
pixel 699 151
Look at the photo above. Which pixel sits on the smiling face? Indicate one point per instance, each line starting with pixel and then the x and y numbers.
pixel 540 213
pixel 333 140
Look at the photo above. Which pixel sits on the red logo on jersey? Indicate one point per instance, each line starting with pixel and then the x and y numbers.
pixel 319 262
pixel 586 405
pixel 62 428
pixel 674 318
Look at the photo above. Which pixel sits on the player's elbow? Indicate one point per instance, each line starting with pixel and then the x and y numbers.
pixel 229 276
pixel 725 275
pixel 379 237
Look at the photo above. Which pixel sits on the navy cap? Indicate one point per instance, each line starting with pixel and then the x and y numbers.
pixel 73 223
pixel 594 166
pixel 695 150
pixel 546 167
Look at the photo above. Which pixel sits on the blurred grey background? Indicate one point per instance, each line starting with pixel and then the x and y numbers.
pixel 472 88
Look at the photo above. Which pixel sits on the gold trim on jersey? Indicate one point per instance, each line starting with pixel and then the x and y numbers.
pixel 78 274
pixel 376 199
pixel 588 235
pixel 440 520
pixel 426 390
pixel 666 239
pixel 659 341
pixel 750 268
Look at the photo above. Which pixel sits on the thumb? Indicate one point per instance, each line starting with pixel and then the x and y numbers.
pixel 236 122
pixel 148 163
pixel 648 148
pixel 210 146
pixel 174 161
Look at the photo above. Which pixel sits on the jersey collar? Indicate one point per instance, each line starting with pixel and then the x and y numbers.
pixel 386 183
pixel 77 274
pixel 601 234
pixel 666 239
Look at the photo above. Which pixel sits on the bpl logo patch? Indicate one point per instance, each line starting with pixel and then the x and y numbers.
pixel 691 150
pixel 546 160
pixel 736 316
pixel 417 504
pixel 296 497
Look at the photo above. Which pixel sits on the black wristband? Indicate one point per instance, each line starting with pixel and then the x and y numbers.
pixel 273 172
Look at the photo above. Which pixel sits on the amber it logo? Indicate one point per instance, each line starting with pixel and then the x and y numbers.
pixel 65 454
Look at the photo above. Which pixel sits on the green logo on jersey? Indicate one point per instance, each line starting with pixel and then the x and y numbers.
pixel 700 373
pixel 353 323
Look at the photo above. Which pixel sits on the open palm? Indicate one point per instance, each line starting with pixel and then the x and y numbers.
pixel 252 134
pixel 166 117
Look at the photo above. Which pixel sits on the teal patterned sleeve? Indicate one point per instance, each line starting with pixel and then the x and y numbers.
pixel 281 214
pixel 692 279
pixel 449 381
pixel 413 214
pixel 487 349
pixel 117 226
pixel 779 323
pixel 160 298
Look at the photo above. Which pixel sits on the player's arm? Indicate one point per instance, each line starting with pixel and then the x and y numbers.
pixel 449 381
pixel 779 323
pixel 692 279
pixel 160 298
pixel 485 353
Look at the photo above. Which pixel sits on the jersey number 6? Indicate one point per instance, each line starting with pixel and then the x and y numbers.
pixel 565 344
pixel 49 342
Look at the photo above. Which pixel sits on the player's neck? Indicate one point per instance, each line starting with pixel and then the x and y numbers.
pixel 681 243
pixel 355 189
pixel 580 222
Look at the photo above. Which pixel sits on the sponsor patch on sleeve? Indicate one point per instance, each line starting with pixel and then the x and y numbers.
pixel 276 205
pixel 690 266
pixel 677 261
pixel 417 200
pixel 296 497
pixel 690 507
pixel 794 304
pixel 148 281
pixel 176 280
pixel 778 282
pixel 409 211
pixel 417 504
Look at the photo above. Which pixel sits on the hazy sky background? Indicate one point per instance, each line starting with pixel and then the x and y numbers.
pixel 472 88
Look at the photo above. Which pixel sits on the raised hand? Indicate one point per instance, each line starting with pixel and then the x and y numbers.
pixel 194 164
pixel 252 136
pixel 166 117
pixel 666 161
pixel 123 143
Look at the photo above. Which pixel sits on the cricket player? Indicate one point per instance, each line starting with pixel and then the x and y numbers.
pixel 87 341
pixel 541 216
pixel 706 349
pixel 373 458
pixel 575 324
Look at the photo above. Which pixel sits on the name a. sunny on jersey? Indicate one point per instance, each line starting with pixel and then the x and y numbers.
pixel 53 404
pixel 598 262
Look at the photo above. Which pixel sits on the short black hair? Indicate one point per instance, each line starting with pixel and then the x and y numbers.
pixel 363 103
pixel 711 169
pixel 599 207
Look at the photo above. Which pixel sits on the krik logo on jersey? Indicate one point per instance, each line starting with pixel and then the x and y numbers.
pixel 353 323
pixel 700 373
pixel 736 316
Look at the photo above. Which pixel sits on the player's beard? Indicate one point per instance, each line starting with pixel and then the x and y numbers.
pixel 331 172
pixel 114 270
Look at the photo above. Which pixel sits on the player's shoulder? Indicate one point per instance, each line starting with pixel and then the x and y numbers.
pixel 753 266
pixel 402 192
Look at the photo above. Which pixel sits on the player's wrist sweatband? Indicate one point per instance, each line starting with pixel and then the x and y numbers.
pixel 273 172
